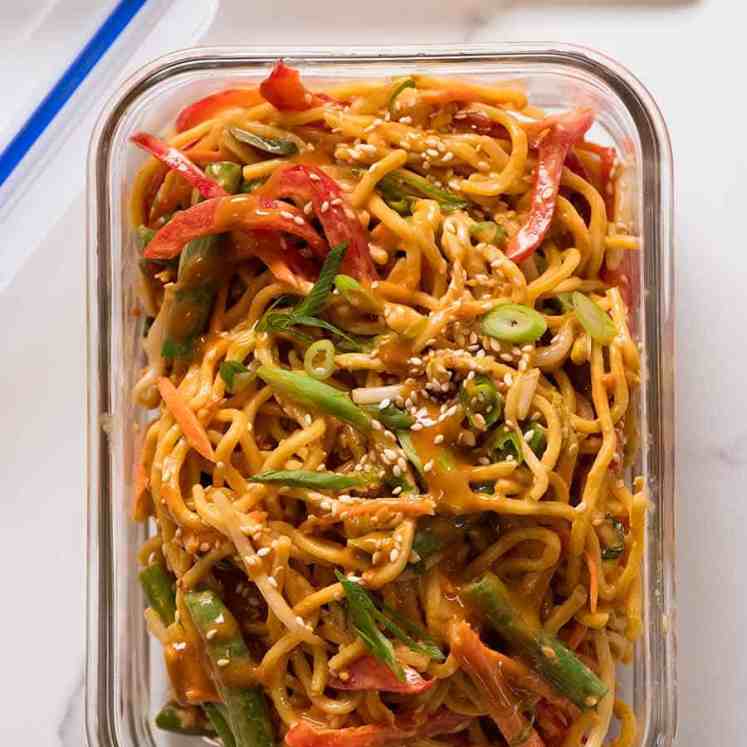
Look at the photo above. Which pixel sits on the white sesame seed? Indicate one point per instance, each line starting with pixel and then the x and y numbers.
pixel 384 404
pixel 439 439
pixel 397 491
pixel 299 221
pixel 263 552
pixel 314 177
pixel 299 620
pixel 211 634
pixel 286 214
pixel 428 466
pixel 179 646
pixel 393 555
pixel 272 581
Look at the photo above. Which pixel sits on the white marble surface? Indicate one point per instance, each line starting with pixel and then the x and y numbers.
pixel 690 55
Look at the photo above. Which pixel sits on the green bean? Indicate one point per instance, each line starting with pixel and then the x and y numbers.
pixel 227 174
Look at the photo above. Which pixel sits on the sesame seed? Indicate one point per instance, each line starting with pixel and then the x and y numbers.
pixel 222 662
pixel 405 120
pixel 314 177
pixel 397 470
pixel 299 620
pixel 548 652
pixel 428 466
pixel 337 200
pixel 506 357
pixel 272 581
pixel 397 491
pixel 384 404
pixel 211 634
pixel 180 646
pixel 286 214
pixel 439 439
pixel 299 221
pixel 393 555
pixel 263 552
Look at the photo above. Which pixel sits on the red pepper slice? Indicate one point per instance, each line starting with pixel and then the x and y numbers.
pixel 231 213
pixel 285 261
pixel 214 104
pixel 285 91
pixel 553 137
pixel 376 735
pixel 176 160
pixel 503 705
pixel 368 673
pixel 607 159
pixel 311 184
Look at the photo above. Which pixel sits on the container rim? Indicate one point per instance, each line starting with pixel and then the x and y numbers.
pixel 100 727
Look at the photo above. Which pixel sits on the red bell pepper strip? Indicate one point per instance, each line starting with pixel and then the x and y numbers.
pixel 376 735
pixel 285 91
pixel 484 670
pixel 573 162
pixel 553 137
pixel 368 673
pixel 311 184
pixel 231 213
pixel 176 160
pixel 607 159
pixel 214 104
pixel 285 261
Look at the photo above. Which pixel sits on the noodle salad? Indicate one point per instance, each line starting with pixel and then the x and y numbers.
pixel 390 372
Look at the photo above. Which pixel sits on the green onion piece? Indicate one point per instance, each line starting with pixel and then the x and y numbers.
pixel 413 186
pixel 314 302
pixel 356 295
pixel 316 395
pixel 302 478
pixel 236 375
pixel 405 441
pixel 251 185
pixel 536 439
pixel 566 301
pixel 412 635
pixel 401 86
pixel 144 235
pixel 504 443
pixel 612 532
pixel 394 197
pixel 391 416
pixel 277 146
pixel 594 320
pixel 513 322
pixel 479 396
pixel 227 174
pixel 325 369
pixel 392 482
pixel 434 534
pixel 489 232
pixel 363 614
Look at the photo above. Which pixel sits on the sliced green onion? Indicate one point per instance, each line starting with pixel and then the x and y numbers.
pixel 405 441
pixel 392 417
pixel 536 439
pixel 236 375
pixel 489 232
pixel 251 185
pixel 363 613
pixel 504 443
pixel 513 322
pixel 613 535
pixel 301 478
pixel 144 235
pixel 227 174
pixel 412 186
pixel 277 146
pixel 316 395
pixel 479 396
pixel 325 369
pixel 594 320
pixel 356 295
pixel 406 83
pixel 434 534
pixel 566 301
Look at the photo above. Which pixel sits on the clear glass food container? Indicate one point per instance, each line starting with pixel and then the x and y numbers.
pixel 125 681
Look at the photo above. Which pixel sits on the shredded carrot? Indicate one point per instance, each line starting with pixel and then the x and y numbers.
pixel 593 582
pixel 191 427
pixel 140 488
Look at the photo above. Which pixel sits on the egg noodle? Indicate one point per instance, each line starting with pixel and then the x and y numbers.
pixel 392 508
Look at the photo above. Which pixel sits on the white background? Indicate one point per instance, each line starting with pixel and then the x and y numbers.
pixel 692 57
